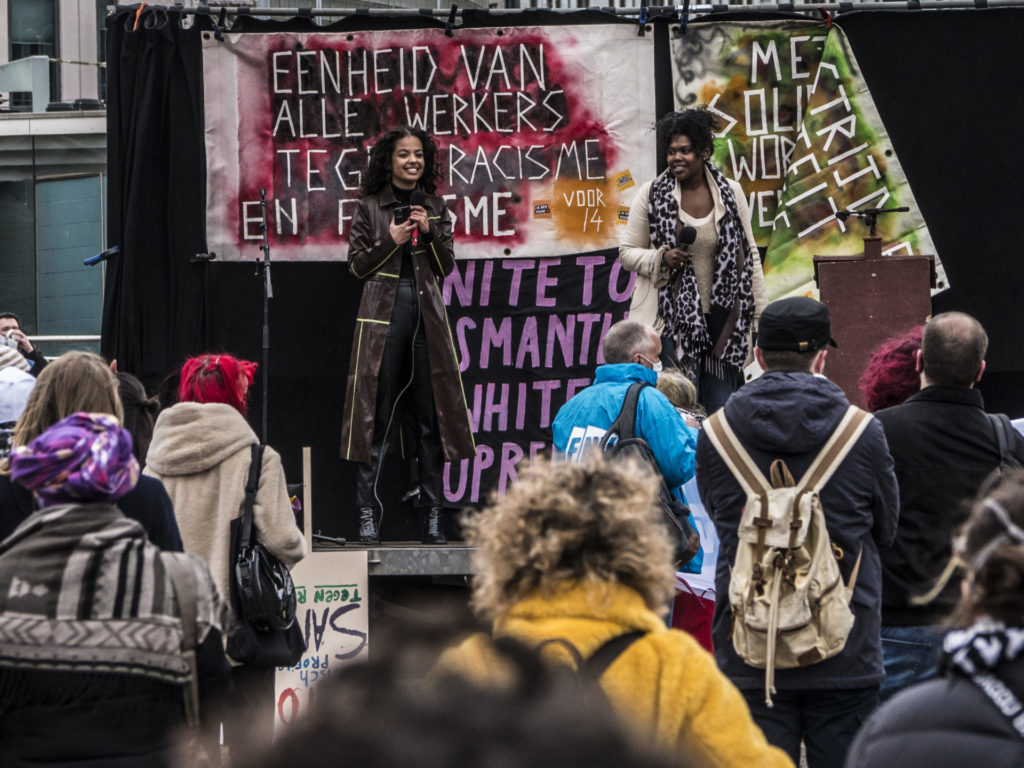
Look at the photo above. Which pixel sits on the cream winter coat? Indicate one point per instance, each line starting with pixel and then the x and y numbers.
pixel 637 254
pixel 201 453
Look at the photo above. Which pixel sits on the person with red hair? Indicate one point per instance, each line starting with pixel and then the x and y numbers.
pixel 891 375
pixel 217 379
pixel 201 451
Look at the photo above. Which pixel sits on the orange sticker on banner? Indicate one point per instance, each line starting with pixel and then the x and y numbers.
pixel 623 180
pixel 623 216
pixel 542 209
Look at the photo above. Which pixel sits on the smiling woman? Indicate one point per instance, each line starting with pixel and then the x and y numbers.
pixel 404 387
pixel 699 280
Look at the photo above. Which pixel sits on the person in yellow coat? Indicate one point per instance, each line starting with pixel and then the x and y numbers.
pixel 575 555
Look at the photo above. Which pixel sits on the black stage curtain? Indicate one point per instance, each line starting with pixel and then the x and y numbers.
pixel 154 297
pixel 942 82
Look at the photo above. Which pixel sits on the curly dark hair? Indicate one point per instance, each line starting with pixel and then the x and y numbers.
pixel 891 375
pixel 698 125
pixel 378 167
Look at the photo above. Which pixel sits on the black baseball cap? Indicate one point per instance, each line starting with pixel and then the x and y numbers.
pixel 797 324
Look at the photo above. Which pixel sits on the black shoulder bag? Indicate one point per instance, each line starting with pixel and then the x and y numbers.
pixel 266 633
pixel 621 440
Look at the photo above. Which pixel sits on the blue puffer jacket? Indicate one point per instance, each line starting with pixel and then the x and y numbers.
pixel 789 416
pixel 587 416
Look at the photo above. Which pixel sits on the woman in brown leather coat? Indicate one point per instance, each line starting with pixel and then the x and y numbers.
pixel 404 368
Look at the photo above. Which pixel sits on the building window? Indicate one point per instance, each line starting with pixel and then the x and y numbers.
pixel 101 48
pixel 33 32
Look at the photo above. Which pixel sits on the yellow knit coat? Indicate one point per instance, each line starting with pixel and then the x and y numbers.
pixel 664 684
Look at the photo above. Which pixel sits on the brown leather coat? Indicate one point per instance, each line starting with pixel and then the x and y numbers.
pixel 375 258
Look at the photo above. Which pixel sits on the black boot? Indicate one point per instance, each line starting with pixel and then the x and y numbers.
pixel 368 526
pixel 433 526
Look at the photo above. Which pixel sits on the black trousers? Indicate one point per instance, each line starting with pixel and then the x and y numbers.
pixel 826 721
pixel 404 373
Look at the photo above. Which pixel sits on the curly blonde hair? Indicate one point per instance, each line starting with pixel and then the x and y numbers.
pixel 567 522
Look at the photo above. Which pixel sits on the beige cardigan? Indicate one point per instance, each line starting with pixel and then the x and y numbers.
pixel 637 254
pixel 201 453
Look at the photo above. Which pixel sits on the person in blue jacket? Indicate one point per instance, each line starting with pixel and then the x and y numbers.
pixel 631 352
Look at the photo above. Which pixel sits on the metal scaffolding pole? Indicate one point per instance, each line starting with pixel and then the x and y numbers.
pixel 651 12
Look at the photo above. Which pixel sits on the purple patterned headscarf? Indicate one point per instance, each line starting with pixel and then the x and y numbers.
pixel 85 457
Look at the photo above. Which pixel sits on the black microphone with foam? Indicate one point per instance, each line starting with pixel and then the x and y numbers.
pixel 418 197
pixel 685 235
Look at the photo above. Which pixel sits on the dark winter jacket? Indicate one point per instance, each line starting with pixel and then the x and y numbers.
pixel 943 447
pixel 790 416
pixel 37 360
pixel 946 722
pixel 377 260
pixel 147 502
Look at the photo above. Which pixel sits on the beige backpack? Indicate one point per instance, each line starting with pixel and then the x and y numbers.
pixel 789 605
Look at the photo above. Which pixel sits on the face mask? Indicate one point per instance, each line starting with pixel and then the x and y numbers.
pixel 655 366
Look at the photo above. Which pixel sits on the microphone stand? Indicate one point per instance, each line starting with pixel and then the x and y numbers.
pixel 263 268
pixel 870 216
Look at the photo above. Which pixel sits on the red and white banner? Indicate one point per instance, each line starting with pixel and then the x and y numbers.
pixel 542 132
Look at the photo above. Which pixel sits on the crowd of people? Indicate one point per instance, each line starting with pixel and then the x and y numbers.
pixel 870 567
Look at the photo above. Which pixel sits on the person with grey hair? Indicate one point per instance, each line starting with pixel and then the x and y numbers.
pixel 631 352
pixel 944 446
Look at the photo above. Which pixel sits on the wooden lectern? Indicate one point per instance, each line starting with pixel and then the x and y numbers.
pixel 870 298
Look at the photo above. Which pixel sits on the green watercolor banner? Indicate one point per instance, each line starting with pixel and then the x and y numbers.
pixel 801 133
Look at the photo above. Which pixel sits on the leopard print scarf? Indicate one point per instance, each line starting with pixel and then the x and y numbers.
pixel 732 296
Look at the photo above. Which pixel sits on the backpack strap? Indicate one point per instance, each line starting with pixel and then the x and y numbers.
pixel 185 592
pixel 624 426
pixel 850 427
pixel 735 456
pixel 1004 432
pixel 594 665
pixel 747 473
pixel 602 658
pixel 252 485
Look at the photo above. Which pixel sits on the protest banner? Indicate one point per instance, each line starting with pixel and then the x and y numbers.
pixel 801 133
pixel 540 130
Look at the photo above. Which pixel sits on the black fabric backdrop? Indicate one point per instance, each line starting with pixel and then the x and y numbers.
pixel 942 82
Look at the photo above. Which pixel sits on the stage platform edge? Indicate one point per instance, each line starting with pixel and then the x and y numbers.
pixel 408 558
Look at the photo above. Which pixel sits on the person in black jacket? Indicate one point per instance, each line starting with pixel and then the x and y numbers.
pixel 953 720
pixel 10 327
pixel 789 413
pixel 943 445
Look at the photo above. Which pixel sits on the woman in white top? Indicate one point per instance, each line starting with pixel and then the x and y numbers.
pixel 699 281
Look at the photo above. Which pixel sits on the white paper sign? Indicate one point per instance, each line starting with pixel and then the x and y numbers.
pixel 332 611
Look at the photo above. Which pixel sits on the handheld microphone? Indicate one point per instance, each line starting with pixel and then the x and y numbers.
pixel 103 256
pixel 418 197
pixel 686 235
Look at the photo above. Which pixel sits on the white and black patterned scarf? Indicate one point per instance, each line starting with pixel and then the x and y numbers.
pixel 83 590
pixel 982 646
pixel 732 297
